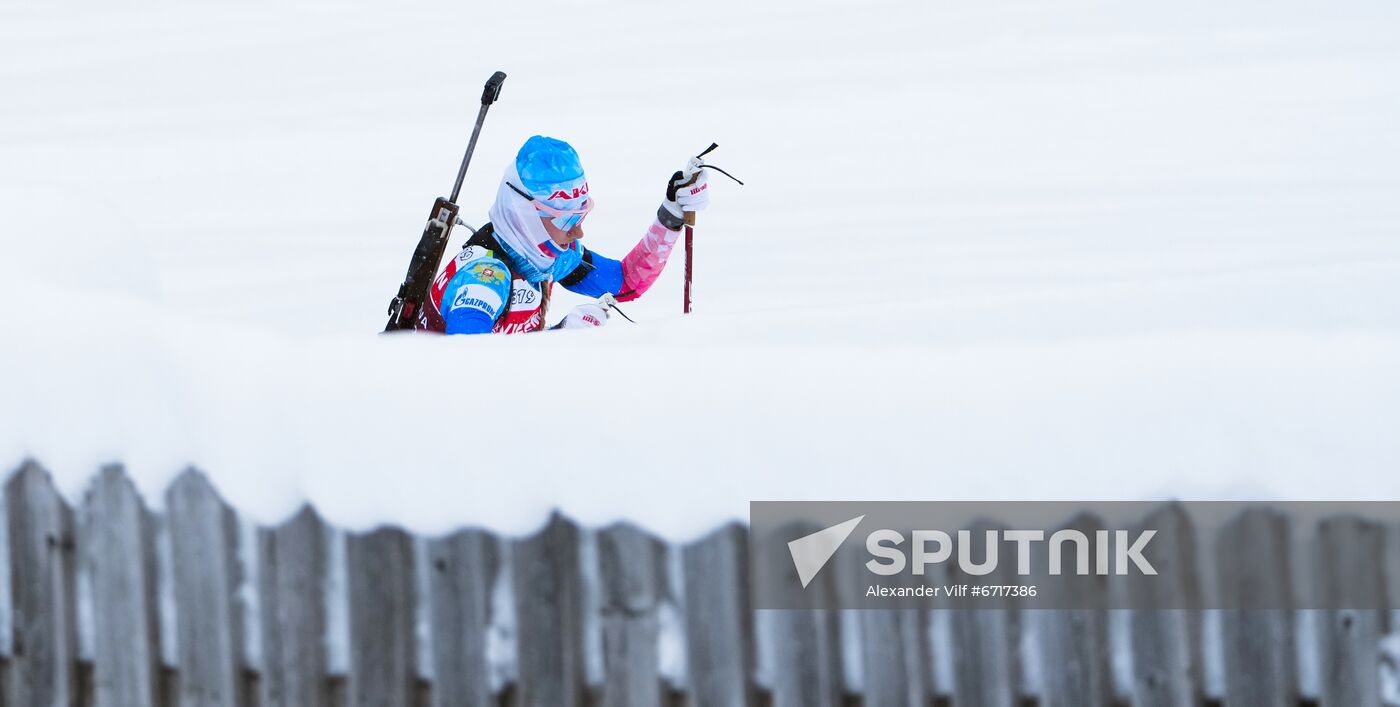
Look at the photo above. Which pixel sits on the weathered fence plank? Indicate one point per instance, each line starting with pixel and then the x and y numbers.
pixel 383 616
pixel 894 648
pixel 1351 575
pixel 719 620
pixel 464 569
pixel 119 546
pixel 294 563
pixel 1075 665
pixel 632 568
pixel 895 657
pixel 986 641
pixel 42 665
pixel 203 538
pixel 1253 568
pixel 549 606
pixel 5 681
pixel 806 648
pixel 1166 643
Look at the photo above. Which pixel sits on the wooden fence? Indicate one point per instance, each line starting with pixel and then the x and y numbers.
pixel 109 604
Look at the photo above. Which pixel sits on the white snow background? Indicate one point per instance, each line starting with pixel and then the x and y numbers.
pixel 994 250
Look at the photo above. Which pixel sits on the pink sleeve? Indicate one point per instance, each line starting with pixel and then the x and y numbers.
pixel 643 265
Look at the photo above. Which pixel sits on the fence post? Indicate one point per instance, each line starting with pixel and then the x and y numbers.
pixel 895 657
pixel 806 652
pixel 719 619
pixel 118 543
pixel 1075 664
pixel 632 569
pixel 986 641
pixel 203 537
pixel 464 567
pixel 293 572
pixel 1352 588
pixel 383 619
pixel 1252 555
pixel 893 644
pixel 42 664
pixel 549 606
pixel 1167 668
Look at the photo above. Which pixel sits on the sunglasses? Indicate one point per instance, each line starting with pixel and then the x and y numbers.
pixel 563 219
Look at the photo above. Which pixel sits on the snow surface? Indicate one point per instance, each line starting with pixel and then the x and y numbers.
pixel 1007 250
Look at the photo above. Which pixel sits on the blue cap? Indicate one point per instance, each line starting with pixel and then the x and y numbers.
pixel 545 164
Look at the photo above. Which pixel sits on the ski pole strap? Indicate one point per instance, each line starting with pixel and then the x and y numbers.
pixel 717 169
pixel 609 301
pixel 624 315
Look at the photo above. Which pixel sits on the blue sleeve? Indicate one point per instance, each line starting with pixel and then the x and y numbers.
pixel 594 276
pixel 476 296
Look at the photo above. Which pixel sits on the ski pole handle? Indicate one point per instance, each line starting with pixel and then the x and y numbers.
pixel 692 173
pixel 493 88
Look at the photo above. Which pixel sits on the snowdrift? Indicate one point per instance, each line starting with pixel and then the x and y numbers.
pixel 1004 251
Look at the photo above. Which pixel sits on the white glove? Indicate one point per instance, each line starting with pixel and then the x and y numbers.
pixel 692 197
pixel 680 199
pixel 584 316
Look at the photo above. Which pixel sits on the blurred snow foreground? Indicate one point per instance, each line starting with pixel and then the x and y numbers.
pixel 1006 251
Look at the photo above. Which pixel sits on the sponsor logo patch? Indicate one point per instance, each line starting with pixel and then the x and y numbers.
pixel 480 297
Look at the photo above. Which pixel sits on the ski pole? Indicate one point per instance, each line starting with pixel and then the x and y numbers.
pixel 689 256
pixel 405 307
pixel 488 96
pixel 689 175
